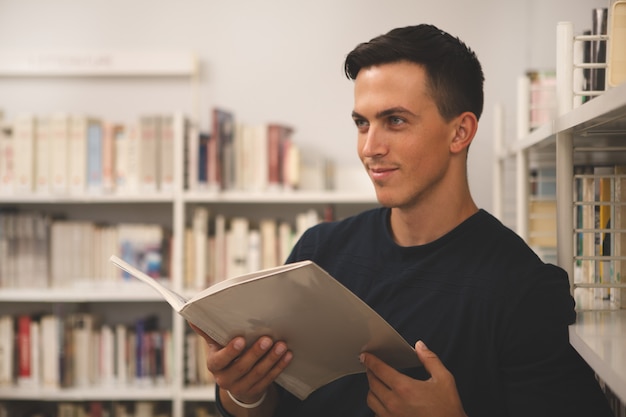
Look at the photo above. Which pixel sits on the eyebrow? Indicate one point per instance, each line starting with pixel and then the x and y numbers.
pixel 383 113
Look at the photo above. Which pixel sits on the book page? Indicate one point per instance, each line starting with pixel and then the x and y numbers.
pixel 177 301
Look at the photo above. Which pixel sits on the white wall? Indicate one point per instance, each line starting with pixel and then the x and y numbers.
pixel 278 60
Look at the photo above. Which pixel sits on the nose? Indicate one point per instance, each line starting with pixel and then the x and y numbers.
pixel 373 142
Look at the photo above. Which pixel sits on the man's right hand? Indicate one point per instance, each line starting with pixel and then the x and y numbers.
pixel 247 373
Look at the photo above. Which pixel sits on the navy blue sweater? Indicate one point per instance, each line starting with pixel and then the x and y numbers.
pixel 479 297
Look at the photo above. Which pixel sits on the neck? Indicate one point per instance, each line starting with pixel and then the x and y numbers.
pixel 420 225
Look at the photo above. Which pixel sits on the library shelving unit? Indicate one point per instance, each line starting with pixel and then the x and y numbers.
pixel 586 143
pixel 126 302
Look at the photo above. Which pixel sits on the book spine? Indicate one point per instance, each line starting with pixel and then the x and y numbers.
pixel 24 361
pixel 77 148
pixel 273 157
pixel 148 154
pixel 203 160
pixel 7 162
pixel 598 49
pixel 24 142
pixel 109 133
pixel 200 236
pixel 50 326
pixel 193 154
pixel 94 158
pixel 6 350
pixel 59 141
pixel 121 355
pixel 133 151
pixel 616 60
pixel 169 128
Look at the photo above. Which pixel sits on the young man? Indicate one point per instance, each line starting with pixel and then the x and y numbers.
pixel 444 273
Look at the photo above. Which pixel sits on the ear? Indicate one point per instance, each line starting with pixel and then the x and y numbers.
pixel 466 126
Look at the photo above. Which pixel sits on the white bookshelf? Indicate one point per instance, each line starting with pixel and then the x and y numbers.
pixel 173 209
pixel 591 134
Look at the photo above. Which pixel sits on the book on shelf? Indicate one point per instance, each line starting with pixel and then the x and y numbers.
pixel 7 349
pixel 220 150
pixel 95 141
pixel 24 134
pixel 618 295
pixel 616 55
pixel 597 76
pixel 59 152
pixel 192 155
pixel 110 131
pixel 173 126
pixel 196 372
pixel 237 246
pixel 51 352
pixel 25 353
pixel 77 149
pixel 7 161
pixel 127 161
pixel 149 138
pixel 198 250
pixel 300 304
pixel 51 331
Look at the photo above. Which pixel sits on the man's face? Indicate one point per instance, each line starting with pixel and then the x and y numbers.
pixel 403 141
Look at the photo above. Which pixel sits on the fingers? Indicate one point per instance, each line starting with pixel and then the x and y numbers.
pixel 259 366
pixel 431 361
pixel 246 372
pixel 383 372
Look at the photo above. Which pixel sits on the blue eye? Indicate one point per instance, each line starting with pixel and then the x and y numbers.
pixel 394 120
pixel 360 123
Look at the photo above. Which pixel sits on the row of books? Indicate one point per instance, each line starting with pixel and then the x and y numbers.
pixel 69 154
pixel 239 156
pixel 600 231
pixel 542 212
pixel 217 247
pixel 51 352
pixel 37 251
pixel 92 409
pixel 196 372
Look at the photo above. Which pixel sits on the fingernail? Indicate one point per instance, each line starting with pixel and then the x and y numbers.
pixel 362 358
pixel 421 345
pixel 280 349
pixel 265 343
pixel 239 344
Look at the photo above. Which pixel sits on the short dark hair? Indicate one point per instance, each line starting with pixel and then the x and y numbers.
pixel 454 74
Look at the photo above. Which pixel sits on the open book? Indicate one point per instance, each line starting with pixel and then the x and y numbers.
pixel 324 324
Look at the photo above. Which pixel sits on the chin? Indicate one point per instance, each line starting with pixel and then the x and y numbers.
pixel 385 200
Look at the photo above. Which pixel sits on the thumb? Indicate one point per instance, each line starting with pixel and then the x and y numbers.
pixel 429 359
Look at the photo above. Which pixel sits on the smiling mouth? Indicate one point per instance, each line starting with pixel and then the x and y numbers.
pixel 381 173
pixel 380 170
